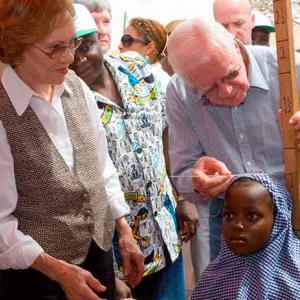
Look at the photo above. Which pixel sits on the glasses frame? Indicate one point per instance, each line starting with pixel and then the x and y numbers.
pixel 130 40
pixel 59 50
pixel 228 79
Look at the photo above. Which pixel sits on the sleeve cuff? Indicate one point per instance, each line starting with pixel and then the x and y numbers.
pixel 119 207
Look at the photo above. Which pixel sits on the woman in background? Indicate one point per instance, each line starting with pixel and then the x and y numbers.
pixel 149 38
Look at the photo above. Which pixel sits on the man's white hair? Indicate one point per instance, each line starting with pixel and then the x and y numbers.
pixel 194 43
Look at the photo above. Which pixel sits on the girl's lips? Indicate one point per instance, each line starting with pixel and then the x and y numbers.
pixel 238 240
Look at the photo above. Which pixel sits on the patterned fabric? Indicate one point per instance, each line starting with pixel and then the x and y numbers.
pixel 67 210
pixel 272 273
pixel 134 135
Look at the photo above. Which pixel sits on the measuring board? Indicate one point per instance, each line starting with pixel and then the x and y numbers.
pixel 289 100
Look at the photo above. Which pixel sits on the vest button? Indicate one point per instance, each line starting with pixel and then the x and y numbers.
pixel 84 196
pixel 91 228
pixel 87 212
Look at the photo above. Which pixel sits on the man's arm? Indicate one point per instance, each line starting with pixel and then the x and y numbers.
pixel 190 167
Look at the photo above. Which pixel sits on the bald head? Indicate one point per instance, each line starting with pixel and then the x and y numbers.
pixel 236 17
pixel 208 58
pixel 199 42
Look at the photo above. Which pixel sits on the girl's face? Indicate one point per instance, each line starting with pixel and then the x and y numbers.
pixel 248 219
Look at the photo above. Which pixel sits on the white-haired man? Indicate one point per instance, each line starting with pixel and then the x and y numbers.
pixel 222 111
pixel 236 17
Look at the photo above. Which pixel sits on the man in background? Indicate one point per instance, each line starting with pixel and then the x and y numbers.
pixel 262 29
pixel 236 17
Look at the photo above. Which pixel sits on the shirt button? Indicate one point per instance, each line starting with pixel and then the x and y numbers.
pixel 241 136
pixel 84 196
pixel 249 163
pixel 155 214
pixel 125 115
pixel 139 150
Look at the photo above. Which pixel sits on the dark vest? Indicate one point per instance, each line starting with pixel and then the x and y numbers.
pixel 59 209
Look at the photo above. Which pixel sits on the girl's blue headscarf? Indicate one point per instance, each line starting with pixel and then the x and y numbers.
pixel 271 273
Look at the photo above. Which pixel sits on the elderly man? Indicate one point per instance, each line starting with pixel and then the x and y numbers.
pixel 222 111
pixel 236 17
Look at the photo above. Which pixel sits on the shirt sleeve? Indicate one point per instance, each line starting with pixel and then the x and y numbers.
pixel 17 250
pixel 184 147
pixel 118 205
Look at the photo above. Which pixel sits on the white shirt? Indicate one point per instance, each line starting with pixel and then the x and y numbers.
pixel 17 250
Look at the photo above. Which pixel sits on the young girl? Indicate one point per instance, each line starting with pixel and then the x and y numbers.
pixel 260 255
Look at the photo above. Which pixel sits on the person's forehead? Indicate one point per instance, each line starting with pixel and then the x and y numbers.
pixel 132 31
pixel 62 33
pixel 231 10
pixel 100 15
pixel 249 195
pixel 219 64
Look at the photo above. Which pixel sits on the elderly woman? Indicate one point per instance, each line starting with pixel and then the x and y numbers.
pixel 149 38
pixel 101 12
pixel 59 192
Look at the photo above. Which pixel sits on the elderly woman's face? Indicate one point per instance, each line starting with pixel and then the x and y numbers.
pixel 103 22
pixel 47 62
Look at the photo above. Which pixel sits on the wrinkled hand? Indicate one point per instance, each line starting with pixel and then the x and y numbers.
pixel 207 185
pixel 187 216
pixel 295 122
pixel 79 284
pixel 132 257
pixel 122 290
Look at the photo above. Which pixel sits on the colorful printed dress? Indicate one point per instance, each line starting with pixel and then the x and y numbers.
pixel 134 135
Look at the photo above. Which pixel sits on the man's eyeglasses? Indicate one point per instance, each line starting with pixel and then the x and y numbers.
pixel 127 40
pixel 58 50
pixel 215 86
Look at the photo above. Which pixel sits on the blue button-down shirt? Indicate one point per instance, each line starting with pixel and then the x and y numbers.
pixel 246 137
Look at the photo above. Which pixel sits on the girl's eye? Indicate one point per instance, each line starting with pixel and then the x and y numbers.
pixel 228 216
pixel 253 216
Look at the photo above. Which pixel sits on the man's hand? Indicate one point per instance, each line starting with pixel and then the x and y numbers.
pixel 132 257
pixel 187 216
pixel 77 283
pixel 295 122
pixel 122 290
pixel 210 177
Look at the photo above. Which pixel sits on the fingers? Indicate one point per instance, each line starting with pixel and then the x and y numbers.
pixel 137 271
pixel 211 166
pixel 94 283
pixel 188 230
pixel 210 187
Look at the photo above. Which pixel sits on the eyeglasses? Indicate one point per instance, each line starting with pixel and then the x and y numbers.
pixel 127 40
pixel 215 86
pixel 58 50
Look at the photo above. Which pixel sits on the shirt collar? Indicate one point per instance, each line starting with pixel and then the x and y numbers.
pixel 19 92
pixel 255 75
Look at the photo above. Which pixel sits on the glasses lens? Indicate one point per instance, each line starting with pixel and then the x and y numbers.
pixel 58 51
pixel 127 40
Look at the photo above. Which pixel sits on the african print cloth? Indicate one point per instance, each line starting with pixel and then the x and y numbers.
pixel 271 273
pixel 134 136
